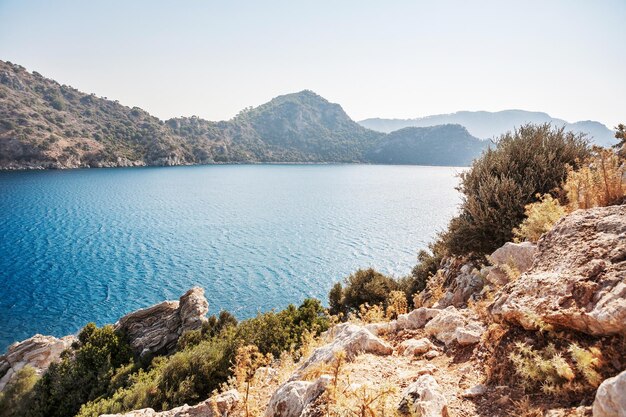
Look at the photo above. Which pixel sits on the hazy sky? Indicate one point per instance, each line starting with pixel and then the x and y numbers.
pixel 375 58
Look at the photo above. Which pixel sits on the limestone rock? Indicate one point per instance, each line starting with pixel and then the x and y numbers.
pixel 223 404
pixel 424 398
pixel 292 398
pixel 462 282
pixel 475 391
pixel 453 326
pixel 578 279
pixel 350 338
pixel 38 352
pixel 611 397
pixel 417 318
pixel 518 257
pixel 413 347
pixel 156 329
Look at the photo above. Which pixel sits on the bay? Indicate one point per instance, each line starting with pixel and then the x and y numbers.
pixel 92 245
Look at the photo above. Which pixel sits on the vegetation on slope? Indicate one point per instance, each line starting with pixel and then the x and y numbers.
pixel 436 145
pixel 48 125
pixel 99 374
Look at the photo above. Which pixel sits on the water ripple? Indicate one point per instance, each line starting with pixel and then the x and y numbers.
pixel 92 245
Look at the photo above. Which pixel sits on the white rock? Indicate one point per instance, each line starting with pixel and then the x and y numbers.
pixel 475 391
pixel 424 398
pixel 223 403
pixel 611 397
pixel 349 338
pixel 453 326
pixel 431 354
pixel 413 347
pixel 291 398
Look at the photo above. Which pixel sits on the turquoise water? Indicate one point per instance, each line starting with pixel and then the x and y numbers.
pixel 91 245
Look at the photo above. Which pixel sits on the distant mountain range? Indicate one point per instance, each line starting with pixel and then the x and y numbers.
pixel 489 125
pixel 44 124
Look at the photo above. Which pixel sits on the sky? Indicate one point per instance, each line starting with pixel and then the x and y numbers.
pixel 394 59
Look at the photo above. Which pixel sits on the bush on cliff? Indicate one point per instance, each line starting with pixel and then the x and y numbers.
pixel 532 160
pixel 206 358
pixel 17 395
pixel 82 375
pixel 365 286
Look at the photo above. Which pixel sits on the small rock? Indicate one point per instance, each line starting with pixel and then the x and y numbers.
pixel 424 398
pixel 412 347
pixel 475 391
pixel 432 354
pixel 291 398
pixel 611 397
pixel 429 369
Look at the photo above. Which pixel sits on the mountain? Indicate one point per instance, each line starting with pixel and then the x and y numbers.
pixel 44 124
pixel 436 145
pixel 487 125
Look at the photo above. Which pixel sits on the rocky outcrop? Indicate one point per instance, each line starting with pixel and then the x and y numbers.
pixel 611 397
pixel 578 279
pixel 510 258
pixel 462 281
pixel 424 398
pixel 156 329
pixel 350 339
pixel 38 352
pixel 222 405
pixel 294 398
pixel 416 319
pixel 452 325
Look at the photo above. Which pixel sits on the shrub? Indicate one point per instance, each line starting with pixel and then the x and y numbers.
pixel 17 394
pixel 396 304
pixel 540 217
pixel 428 262
pixel 533 159
pixel 601 182
pixel 82 375
pixel 191 374
pixel 552 370
pixel 365 286
pixel 274 333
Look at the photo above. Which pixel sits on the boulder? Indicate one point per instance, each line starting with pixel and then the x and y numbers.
pixel 414 347
pixel 516 255
pixel 156 329
pixel 222 405
pixel 424 398
pixel 293 397
pixel 475 391
pixel 349 338
pixel 511 257
pixel 578 278
pixel 416 319
pixel 38 352
pixel 451 325
pixel 611 397
pixel 462 281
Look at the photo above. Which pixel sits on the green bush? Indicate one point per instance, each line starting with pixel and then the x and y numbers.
pixel 17 394
pixel 83 374
pixel 532 160
pixel 365 286
pixel 206 358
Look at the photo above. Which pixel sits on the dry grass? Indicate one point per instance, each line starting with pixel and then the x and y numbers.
pixel 602 182
pixel 540 217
